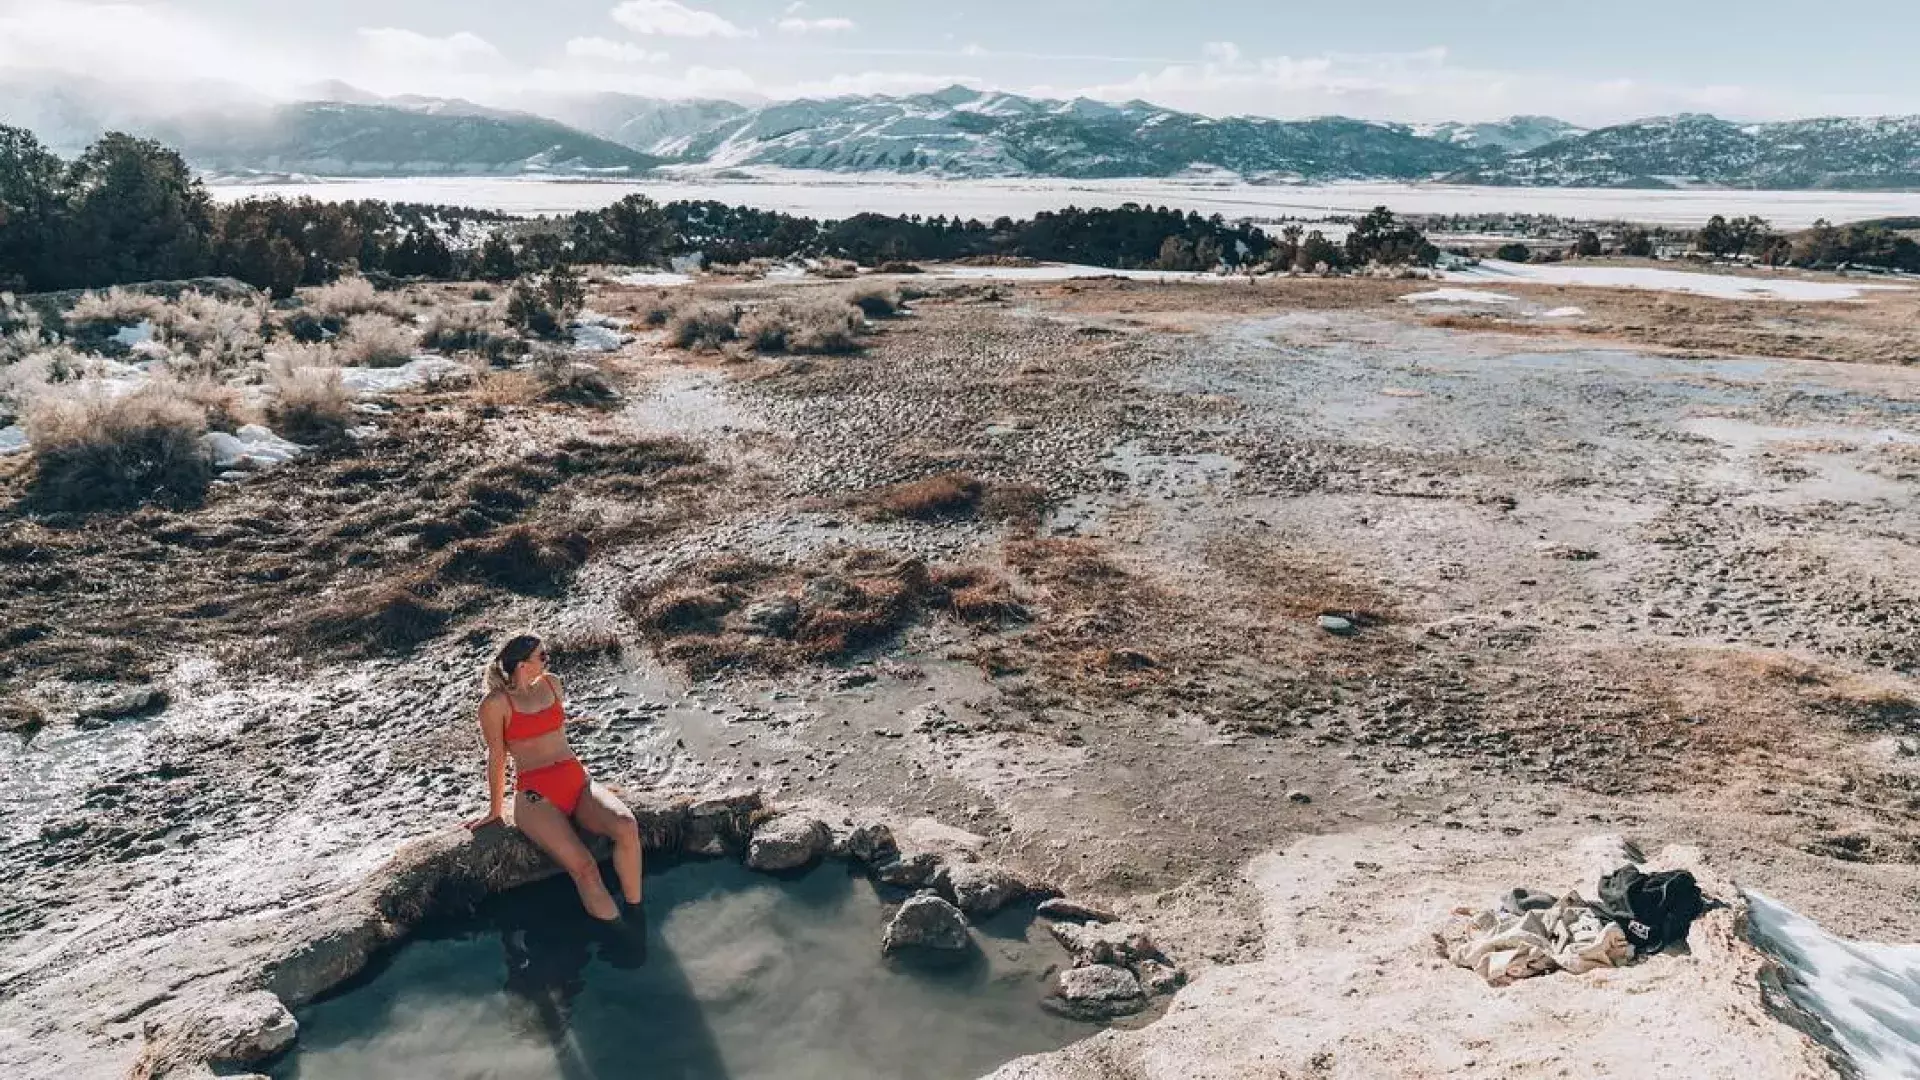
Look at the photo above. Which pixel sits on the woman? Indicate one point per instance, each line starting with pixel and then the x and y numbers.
pixel 521 716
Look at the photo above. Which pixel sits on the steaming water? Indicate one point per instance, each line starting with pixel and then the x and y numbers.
pixel 743 976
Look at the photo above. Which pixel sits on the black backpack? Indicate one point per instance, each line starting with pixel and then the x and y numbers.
pixel 1654 910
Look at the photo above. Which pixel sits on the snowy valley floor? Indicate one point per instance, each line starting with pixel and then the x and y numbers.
pixel 1647 570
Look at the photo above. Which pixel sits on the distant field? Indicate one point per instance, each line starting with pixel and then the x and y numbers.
pixel 840 195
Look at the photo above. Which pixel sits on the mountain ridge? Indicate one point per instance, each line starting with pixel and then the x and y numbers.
pixel 962 132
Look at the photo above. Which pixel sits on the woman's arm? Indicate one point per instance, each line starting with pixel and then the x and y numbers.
pixel 493 727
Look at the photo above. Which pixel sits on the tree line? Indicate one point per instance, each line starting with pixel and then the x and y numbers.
pixel 130 209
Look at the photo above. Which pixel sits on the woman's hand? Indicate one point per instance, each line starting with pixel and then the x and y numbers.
pixel 480 823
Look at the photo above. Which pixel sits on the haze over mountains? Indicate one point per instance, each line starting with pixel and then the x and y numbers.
pixel 962 132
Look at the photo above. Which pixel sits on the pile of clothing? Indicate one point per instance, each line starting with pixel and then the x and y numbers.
pixel 1531 933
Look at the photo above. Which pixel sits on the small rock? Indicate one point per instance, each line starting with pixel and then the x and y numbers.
pixel 1063 910
pixel 926 922
pixel 247 1028
pixel 1105 943
pixel 979 888
pixel 1158 977
pixel 871 843
pixel 1097 992
pixel 909 871
pixel 788 843
pixel 852 679
pixel 1339 626
pixel 1299 797
pixel 143 701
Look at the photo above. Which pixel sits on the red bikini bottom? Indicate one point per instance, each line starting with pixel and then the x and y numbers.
pixel 561 783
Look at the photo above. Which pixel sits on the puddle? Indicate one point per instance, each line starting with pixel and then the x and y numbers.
pixel 743 976
pixel 1867 995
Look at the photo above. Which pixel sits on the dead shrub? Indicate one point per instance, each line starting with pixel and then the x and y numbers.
pixel 220 403
pixel 522 558
pixel 875 300
pixel 655 310
pixel 703 326
pixel 95 451
pixel 376 341
pixel 565 378
pixel 506 389
pixel 472 328
pixel 309 404
pixel 389 618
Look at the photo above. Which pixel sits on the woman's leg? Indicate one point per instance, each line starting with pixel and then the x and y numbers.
pixel 601 811
pixel 546 826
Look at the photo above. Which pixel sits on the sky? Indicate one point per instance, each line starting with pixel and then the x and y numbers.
pixel 1397 60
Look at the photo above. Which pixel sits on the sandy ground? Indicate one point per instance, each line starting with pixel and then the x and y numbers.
pixel 1649 571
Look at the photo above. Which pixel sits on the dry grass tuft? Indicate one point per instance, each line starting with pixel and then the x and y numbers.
pixel 391 618
pixel 479 329
pixel 819 327
pixel 95 451
pixel 115 307
pixel 350 296
pixel 875 300
pixel 309 404
pixel 525 559
pixel 577 644
pixel 376 341
pixel 703 326
pixel 953 495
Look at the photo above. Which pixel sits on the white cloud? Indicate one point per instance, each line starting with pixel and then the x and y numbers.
pixel 388 45
pixel 668 18
pixel 815 26
pixel 146 42
pixel 599 49
pixel 1425 85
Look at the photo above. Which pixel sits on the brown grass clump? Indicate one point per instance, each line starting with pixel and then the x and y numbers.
pixel 655 310
pixel 218 402
pixel 875 300
pixel 115 307
pixel 376 341
pixel 350 296
pixel 477 329
pixel 948 495
pixel 582 643
pixel 388 618
pixel 703 326
pixel 815 328
pixel 93 451
pixel 737 612
pixel 577 382
pixel 522 558
pixel 309 405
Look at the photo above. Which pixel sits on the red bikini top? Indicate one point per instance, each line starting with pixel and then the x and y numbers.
pixel 534 724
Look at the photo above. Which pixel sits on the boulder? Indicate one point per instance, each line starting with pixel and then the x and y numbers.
pixel 788 842
pixel 871 843
pixel 979 888
pixel 1097 992
pixel 926 922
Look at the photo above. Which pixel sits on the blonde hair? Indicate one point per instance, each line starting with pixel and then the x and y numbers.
pixel 497 676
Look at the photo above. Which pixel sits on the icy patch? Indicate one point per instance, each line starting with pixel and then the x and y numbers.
pixel 13 439
pixel 646 278
pixel 1068 272
pixel 1456 296
pixel 1563 313
pixel 1865 993
pixel 138 334
pixel 1719 286
pixel 252 447
pixel 415 373
pixel 594 332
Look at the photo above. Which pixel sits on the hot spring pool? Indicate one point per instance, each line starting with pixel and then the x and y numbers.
pixel 743 976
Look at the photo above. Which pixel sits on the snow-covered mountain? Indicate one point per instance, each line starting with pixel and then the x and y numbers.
pixel 956 132
pixel 1692 149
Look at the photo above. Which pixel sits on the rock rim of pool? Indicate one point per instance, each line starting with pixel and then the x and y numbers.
pixel 241 1013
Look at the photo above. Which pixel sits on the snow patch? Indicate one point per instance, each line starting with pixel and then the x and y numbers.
pixel 252 447
pixel 646 278
pixel 1067 272
pixel 1719 286
pixel 1864 992
pixel 1456 296
pixel 416 372
pixel 594 332
pixel 13 439
pixel 1563 313
pixel 137 334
